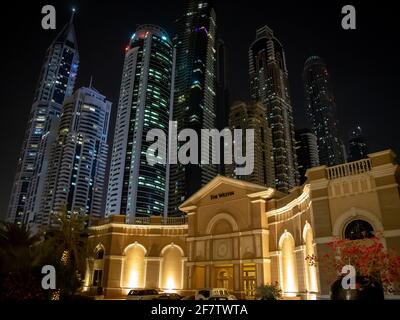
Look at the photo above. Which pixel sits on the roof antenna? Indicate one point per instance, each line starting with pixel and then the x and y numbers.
pixel 91 81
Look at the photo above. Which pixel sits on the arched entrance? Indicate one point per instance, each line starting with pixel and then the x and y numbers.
pixel 134 267
pixel 223 279
pixel 288 264
pixel 311 270
pixel 171 275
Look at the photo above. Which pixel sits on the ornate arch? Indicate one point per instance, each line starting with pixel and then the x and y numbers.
pixel 171 245
pixel 99 247
pixel 171 271
pixel 222 216
pixel 354 214
pixel 307 227
pixel 284 235
pixel 135 244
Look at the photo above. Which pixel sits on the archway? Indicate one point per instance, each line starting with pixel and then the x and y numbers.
pixel 358 229
pixel 356 214
pixel 99 252
pixel 311 270
pixel 98 266
pixel 288 264
pixel 134 267
pixel 223 279
pixel 222 216
pixel 171 275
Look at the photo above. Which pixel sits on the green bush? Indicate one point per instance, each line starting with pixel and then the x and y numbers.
pixel 269 292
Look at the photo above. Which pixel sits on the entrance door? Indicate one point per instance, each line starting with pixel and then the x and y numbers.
pixel 223 280
pixel 249 281
pixel 222 277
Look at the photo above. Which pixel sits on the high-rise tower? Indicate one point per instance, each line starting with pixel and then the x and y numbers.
pixel 195 93
pixel 252 116
pixel 56 82
pixel 307 152
pixel 135 187
pixel 75 180
pixel 269 86
pixel 321 111
pixel 222 97
pixel 358 148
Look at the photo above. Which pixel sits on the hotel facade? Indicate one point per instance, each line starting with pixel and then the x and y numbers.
pixel 241 235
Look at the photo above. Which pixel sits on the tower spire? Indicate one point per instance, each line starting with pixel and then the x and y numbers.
pixel 71 20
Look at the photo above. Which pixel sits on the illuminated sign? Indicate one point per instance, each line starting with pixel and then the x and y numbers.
pixel 221 195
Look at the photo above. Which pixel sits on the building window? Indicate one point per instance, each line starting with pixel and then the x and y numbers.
pixel 358 229
pixel 97 278
pixel 100 254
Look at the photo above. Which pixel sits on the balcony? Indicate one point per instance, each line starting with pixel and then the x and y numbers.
pixel 152 220
pixel 349 169
pixel 174 221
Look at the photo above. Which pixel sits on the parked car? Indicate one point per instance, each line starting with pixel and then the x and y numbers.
pixel 189 298
pixel 142 294
pixel 206 294
pixel 168 296
pixel 219 298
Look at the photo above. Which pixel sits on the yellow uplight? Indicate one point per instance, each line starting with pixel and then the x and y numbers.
pixel 170 283
pixel 133 279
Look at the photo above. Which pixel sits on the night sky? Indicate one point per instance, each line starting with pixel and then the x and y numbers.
pixel 363 63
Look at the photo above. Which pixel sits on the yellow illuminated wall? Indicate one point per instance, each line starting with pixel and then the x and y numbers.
pixel 288 264
pixel 311 270
pixel 171 268
pixel 134 267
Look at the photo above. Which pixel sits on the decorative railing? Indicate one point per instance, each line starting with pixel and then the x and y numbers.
pixel 174 220
pixel 349 169
pixel 152 220
pixel 141 220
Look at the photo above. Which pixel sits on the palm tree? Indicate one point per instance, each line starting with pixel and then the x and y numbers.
pixel 19 277
pixel 64 246
pixel 15 245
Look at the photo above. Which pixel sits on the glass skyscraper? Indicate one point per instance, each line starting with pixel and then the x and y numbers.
pixel 321 111
pixel 307 152
pixel 136 188
pixel 358 148
pixel 56 82
pixel 195 93
pixel 269 86
pixel 75 180
pixel 252 116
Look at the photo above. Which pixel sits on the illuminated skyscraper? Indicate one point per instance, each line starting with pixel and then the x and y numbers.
pixel 269 86
pixel 75 180
pixel 307 152
pixel 56 82
pixel 195 93
pixel 358 148
pixel 321 111
pixel 252 116
pixel 222 99
pixel 135 187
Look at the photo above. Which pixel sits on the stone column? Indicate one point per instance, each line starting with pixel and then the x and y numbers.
pixel 112 276
pixel 153 269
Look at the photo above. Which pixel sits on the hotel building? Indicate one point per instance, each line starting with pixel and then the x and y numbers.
pixel 241 235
